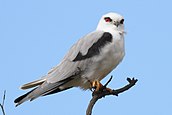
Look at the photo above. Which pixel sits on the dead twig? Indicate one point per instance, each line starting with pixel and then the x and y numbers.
pixel 104 92
pixel 2 105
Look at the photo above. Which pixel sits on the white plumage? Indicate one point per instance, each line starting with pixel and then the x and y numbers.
pixel 91 58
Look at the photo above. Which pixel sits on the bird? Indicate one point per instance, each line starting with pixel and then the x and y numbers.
pixel 86 63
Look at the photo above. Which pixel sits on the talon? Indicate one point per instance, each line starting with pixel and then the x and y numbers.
pixel 99 87
pixel 96 85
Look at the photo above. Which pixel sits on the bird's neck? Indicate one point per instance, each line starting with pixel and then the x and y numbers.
pixel 113 31
pixel 118 36
pixel 106 30
pixel 110 29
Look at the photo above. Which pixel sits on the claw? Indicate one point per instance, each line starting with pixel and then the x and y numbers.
pixel 96 85
pixel 99 87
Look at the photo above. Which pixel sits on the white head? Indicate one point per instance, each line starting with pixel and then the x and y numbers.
pixel 111 22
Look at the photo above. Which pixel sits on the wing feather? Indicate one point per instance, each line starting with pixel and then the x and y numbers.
pixel 68 67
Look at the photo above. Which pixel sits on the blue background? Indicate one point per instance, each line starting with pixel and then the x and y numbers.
pixel 36 34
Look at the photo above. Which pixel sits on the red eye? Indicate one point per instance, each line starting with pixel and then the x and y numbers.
pixel 107 19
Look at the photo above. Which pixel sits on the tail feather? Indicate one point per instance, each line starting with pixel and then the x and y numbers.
pixel 55 91
pixel 37 92
pixel 43 88
pixel 32 84
pixel 22 98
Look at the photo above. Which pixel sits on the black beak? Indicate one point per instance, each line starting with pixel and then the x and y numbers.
pixel 116 24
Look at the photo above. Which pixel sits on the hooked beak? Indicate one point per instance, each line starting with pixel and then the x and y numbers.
pixel 116 23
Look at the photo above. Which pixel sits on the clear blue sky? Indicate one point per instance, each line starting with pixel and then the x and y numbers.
pixel 36 34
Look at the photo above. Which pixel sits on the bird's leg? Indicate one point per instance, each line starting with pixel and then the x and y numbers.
pixel 96 85
pixel 99 87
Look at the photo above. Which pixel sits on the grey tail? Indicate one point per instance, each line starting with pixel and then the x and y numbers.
pixel 23 96
pixel 43 89
pixel 56 91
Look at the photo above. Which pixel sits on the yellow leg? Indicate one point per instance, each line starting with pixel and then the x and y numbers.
pixel 98 86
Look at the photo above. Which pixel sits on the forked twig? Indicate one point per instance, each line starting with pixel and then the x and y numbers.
pixel 98 95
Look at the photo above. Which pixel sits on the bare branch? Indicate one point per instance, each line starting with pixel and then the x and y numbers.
pixel 3 101
pixel 98 95
pixel 108 81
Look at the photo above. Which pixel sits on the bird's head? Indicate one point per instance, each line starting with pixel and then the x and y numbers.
pixel 111 22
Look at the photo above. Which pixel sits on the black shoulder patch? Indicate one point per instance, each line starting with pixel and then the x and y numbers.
pixel 95 48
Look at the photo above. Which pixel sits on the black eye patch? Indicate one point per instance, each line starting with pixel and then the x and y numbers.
pixel 122 21
pixel 108 19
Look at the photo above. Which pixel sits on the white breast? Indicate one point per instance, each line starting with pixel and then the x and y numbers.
pixel 110 56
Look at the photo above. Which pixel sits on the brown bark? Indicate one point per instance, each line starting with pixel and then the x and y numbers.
pixel 104 92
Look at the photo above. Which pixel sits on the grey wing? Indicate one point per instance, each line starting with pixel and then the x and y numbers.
pixel 77 57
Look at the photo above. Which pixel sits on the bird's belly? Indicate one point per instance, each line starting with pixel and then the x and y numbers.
pixel 103 64
pixel 107 63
